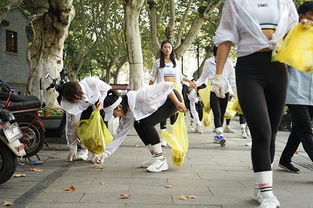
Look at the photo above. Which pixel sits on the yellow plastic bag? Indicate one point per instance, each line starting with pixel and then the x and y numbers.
pixel 207 118
pixel 177 138
pixel 236 106
pixel 93 133
pixel 297 49
pixel 230 112
pixel 205 97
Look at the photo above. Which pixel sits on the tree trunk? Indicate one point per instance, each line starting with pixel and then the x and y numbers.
pixel 133 41
pixel 45 54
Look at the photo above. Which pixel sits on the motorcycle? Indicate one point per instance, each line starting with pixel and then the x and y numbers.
pixel 26 111
pixel 10 145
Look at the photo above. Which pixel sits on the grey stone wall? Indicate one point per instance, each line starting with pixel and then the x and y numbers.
pixel 14 67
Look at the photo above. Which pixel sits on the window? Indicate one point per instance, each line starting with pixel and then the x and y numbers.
pixel 11 41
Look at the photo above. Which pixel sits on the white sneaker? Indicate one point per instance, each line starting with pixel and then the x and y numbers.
pixel 82 154
pixel 99 158
pixel 147 163
pixel 199 130
pixel 227 129
pixel 71 157
pixel 270 202
pixel 219 139
pixel 244 133
pixel 158 166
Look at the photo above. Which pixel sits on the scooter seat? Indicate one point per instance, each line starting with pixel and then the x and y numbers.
pixel 17 98
pixel 27 105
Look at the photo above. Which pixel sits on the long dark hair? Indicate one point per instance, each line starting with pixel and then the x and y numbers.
pixel 112 96
pixel 172 55
pixel 69 91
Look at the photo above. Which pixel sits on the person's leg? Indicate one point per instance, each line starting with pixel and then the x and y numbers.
pixel 227 128
pixel 71 136
pixel 256 75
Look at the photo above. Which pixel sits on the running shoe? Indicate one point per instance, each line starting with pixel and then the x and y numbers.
pixel 219 139
pixel 82 154
pixel 289 167
pixel 158 166
pixel 227 129
pixel 147 163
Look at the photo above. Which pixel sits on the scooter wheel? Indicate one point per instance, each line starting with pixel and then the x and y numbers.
pixel 7 163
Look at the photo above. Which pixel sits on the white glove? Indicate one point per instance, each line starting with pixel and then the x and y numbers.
pixel 218 86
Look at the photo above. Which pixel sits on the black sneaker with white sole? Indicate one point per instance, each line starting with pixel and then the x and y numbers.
pixel 289 167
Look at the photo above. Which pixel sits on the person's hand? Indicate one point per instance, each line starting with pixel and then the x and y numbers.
pixel 218 86
pixel 193 85
pixel 181 107
pixel 99 105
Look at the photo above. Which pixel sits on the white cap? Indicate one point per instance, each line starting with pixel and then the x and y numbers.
pixel 109 110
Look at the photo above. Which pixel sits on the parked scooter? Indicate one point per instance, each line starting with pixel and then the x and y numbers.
pixel 26 111
pixel 10 145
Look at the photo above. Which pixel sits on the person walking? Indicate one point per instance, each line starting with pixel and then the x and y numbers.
pixel 300 105
pixel 75 98
pixel 167 69
pixel 218 104
pixel 143 109
pixel 256 27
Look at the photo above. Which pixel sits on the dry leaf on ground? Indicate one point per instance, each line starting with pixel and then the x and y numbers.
pixel 18 175
pixel 37 170
pixel 8 203
pixel 192 197
pixel 137 145
pixel 168 186
pixel 102 183
pixel 183 197
pixel 124 196
pixel 71 188
pixel 97 166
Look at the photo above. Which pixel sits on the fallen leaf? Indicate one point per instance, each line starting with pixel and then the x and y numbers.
pixel 18 175
pixel 124 196
pixel 97 166
pixel 137 145
pixel 183 197
pixel 71 188
pixel 102 183
pixel 8 203
pixel 192 197
pixel 168 186
pixel 36 170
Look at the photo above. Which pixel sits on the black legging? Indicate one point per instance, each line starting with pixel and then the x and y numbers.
pixel 218 106
pixel 242 120
pixel 261 86
pixel 301 131
pixel 145 127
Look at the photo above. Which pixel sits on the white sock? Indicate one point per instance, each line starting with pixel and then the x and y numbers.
pixel 219 131
pixel 149 146
pixel 157 149
pixel 264 181
pixel 242 126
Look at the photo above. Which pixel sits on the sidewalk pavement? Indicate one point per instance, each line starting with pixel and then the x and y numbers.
pixel 215 176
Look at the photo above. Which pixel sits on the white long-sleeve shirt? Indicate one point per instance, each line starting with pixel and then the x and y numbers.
pixel 158 73
pixel 240 25
pixel 142 103
pixel 94 89
pixel 209 74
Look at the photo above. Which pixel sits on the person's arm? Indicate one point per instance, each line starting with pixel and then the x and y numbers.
pixel 221 57
pixel 123 129
pixel 205 74
pixel 179 105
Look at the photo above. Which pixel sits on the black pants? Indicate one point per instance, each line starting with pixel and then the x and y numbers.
pixel 218 106
pixel 242 120
pixel 146 127
pixel 261 86
pixel 172 120
pixel 301 131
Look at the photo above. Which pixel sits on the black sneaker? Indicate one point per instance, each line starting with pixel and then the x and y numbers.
pixel 289 167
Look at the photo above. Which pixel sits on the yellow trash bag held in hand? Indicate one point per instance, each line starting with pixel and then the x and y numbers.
pixel 205 97
pixel 176 136
pixel 93 133
pixel 236 106
pixel 229 110
pixel 297 49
